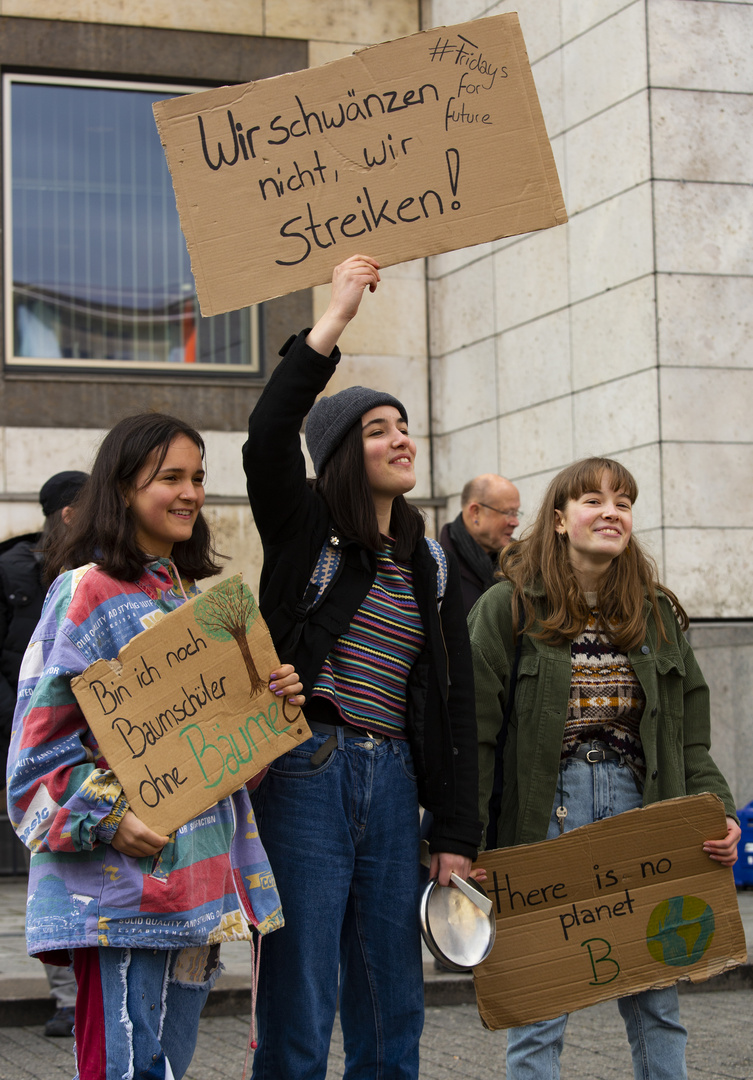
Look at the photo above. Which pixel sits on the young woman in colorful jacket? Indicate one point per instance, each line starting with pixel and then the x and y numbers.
pixel 141 915
pixel 610 711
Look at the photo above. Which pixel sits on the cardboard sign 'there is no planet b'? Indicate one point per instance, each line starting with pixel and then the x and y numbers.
pixel 626 904
pixel 421 145
pixel 184 716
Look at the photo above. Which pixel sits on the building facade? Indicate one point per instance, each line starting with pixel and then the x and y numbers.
pixel 625 332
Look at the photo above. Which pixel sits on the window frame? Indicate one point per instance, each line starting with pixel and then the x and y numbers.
pixel 100 366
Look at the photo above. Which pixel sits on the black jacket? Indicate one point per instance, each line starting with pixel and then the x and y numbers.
pixel 21 598
pixel 470 582
pixel 293 522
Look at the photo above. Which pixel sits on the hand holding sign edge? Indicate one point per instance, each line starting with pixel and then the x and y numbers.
pixel 350 279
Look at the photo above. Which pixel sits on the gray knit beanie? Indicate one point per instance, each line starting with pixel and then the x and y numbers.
pixel 331 419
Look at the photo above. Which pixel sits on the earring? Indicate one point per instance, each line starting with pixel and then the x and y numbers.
pixel 475 521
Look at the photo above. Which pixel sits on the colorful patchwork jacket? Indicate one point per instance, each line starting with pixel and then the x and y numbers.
pixel 209 882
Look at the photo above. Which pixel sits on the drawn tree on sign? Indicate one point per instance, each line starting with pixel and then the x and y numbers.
pixel 229 611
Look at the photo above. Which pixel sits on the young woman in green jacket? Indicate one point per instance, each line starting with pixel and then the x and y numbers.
pixel 610 711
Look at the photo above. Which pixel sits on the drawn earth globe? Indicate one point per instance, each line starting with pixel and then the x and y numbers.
pixel 680 930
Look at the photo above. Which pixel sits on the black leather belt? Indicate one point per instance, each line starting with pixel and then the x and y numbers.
pixel 349 732
pixel 595 752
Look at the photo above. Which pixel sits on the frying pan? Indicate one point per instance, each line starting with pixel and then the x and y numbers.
pixel 457 924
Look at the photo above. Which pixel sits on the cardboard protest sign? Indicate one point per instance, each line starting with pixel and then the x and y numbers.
pixel 421 145
pixel 184 716
pixel 609 909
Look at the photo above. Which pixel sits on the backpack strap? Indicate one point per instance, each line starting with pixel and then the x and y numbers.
pixel 323 576
pixel 440 558
pixel 327 567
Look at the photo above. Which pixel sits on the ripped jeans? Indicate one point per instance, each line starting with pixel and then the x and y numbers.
pixel 137 1010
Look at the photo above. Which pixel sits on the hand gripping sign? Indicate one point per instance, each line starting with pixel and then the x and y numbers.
pixel 626 904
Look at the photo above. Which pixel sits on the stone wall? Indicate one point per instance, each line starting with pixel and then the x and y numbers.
pixel 725 653
pixel 627 331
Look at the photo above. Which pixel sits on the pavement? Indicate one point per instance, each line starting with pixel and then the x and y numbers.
pixel 454 1045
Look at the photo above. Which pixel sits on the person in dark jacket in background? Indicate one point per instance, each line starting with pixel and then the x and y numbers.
pixel 23 584
pixel 389 690
pixel 489 515
pixel 22 590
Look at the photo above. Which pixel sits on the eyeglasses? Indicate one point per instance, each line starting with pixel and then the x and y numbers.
pixel 504 513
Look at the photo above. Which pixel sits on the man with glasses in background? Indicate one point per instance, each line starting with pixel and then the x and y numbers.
pixel 490 513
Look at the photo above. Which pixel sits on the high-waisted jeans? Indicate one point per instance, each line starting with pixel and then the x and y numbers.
pixel 652 1020
pixel 342 839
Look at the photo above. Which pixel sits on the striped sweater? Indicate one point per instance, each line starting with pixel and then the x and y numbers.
pixel 365 675
pixel 210 880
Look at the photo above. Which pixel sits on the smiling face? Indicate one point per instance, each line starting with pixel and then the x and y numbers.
pixel 389 452
pixel 166 505
pixel 597 526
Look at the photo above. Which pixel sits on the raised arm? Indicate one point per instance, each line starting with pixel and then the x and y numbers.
pixel 272 457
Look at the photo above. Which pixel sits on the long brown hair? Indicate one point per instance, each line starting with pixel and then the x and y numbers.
pixel 540 559
pixel 103 528
pixel 345 488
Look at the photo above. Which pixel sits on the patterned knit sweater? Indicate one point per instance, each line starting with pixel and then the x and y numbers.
pixel 606 698
pixel 210 880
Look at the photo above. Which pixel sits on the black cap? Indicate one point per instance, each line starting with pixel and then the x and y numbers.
pixel 60 490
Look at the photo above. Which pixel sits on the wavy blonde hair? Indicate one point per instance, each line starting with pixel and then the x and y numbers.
pixel 541 558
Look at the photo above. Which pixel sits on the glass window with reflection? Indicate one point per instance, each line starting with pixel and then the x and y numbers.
pixel 96 267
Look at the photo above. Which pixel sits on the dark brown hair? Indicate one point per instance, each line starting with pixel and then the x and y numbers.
pixel 103 529
pixel 345 488
pixel 49 540
pixel 541 558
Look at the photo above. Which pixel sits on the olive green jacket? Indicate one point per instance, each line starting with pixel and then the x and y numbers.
pixel 675 729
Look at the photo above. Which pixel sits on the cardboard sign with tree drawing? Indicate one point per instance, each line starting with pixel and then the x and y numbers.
pixel 185 716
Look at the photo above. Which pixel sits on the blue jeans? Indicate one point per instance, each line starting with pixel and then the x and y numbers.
pixel 652 1019
pixel 137 1010
pixel 342 839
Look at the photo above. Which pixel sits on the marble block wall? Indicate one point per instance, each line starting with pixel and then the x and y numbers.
pixel 725 652
pixel 320 21
pixel 627 331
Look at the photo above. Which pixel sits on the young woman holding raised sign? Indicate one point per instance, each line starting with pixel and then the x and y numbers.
pixel 141 915
pixel 387 675
pixel 609 712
